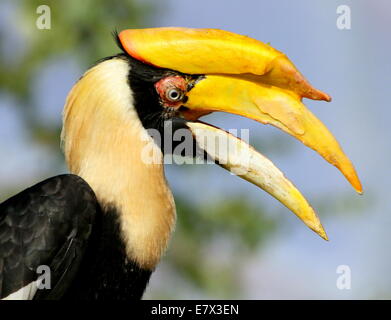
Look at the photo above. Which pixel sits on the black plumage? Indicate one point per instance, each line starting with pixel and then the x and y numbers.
pixel 59 223
pixel 47 224
pixel 106 272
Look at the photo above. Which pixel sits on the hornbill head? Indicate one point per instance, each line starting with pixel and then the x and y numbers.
pixel 178 75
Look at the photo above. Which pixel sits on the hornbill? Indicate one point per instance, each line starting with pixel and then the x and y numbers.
pixel 102 229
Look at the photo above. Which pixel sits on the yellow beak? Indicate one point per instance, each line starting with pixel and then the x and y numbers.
pixel 246 77
pixel 271 105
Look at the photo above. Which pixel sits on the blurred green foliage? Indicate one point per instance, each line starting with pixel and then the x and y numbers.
pixel 79 28
pixel 235 225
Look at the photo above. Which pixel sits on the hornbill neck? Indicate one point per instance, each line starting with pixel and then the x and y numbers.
pixel 104 141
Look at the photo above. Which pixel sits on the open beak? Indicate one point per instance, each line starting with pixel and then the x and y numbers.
pixel 267 104
pixel 246 77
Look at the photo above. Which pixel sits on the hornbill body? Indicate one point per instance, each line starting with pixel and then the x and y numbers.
pixel 103 229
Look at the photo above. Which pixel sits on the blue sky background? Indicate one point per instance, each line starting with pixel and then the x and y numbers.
pixel 353 66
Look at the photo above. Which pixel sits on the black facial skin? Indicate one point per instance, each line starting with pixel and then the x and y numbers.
pixel 148 103
pixel 154 115
pixel 142 79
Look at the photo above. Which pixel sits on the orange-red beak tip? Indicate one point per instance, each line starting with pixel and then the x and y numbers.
pixel 327 97
pixel 317 95
pixel 356 184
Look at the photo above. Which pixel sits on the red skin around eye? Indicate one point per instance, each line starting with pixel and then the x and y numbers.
pixel 165 84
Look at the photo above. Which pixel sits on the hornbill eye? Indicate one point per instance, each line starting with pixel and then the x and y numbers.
pixel 172 90
pixel 174 94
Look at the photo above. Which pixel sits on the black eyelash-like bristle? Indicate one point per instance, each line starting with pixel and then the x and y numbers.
pixel 116 38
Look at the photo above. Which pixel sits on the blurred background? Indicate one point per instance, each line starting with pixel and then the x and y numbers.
pixel 232 240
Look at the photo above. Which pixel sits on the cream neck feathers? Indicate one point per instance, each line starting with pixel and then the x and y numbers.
pixel 103 140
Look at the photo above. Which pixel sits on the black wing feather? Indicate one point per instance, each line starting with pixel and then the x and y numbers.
pixel 47 224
